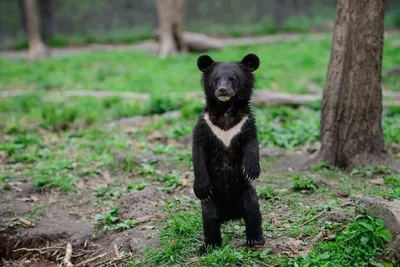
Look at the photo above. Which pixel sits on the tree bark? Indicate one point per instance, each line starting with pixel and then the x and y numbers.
pixel 37 49
pixel 46 19
pixel 351 129
pixel 171 18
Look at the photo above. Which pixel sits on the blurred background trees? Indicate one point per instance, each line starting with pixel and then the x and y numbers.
pixel 126 21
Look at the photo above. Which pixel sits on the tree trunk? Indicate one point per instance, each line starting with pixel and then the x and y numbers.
pixel 37 49
pixel 46 19
pixel 280 13
pixel 171 17
pixel 351 130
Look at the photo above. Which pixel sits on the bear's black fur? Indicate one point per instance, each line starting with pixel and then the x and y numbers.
pixel 225 150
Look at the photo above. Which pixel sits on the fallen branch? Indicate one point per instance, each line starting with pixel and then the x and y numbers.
pixel 83 263
pixel 116 252
pixel 40 250
pixel 313 218
pixel 197 42
pixel 26 223
pixel 67 259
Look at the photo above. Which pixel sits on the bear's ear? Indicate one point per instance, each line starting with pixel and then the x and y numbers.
pixel 204 62
pixel 251 62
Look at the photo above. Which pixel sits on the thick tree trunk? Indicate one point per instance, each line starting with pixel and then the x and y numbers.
pixel 46 18
pixel 37 49
pixel 351 130
pixel 171 17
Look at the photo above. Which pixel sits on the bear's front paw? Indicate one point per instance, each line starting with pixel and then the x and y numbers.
pixel 251 170
pixel 202 191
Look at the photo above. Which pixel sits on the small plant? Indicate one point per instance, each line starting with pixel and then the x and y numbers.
pixel 136 186
pixel 146 168
pixel 108 192
pixel 393 182
pixel 267 192
pixel 110 221
pixel 171 181
pixel 357 245
pixel 301 183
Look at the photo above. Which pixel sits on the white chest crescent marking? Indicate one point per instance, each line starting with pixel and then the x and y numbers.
pixel 225 136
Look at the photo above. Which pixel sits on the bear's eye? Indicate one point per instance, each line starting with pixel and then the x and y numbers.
pixel 232 79
pixel 216 80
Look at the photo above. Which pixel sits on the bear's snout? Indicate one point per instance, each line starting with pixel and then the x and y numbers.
pixel 224 92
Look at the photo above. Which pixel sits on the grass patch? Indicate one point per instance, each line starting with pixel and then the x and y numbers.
pixel 141 72
pixel 301 183
pixel 357 245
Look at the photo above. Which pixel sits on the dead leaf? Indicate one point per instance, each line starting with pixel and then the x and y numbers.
pixel 183 182
pixel 3 156
pixel 378 181
pixel 34 198
pixel 156 135
pixel 346 203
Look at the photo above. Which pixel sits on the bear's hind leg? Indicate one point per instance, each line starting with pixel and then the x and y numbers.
pixel 211 227
pixel 252 218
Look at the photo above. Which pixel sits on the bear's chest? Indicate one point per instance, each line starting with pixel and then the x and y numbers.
pixel 225 136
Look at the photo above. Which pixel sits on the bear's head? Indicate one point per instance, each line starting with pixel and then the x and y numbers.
pixel 228 82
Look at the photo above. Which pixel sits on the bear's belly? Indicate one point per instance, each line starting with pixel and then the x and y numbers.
pixel 226 175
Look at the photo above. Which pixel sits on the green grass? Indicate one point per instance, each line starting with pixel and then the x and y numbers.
pixel 287 66
pixel 357 245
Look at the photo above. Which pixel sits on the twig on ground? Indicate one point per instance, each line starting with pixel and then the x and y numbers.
pixel 37 249
pixel 26 223
pixel 67 258
pixel 117 255
pixel 83 263
pixel 313 218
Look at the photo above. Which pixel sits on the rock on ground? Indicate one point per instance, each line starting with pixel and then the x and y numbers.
pixel 388 211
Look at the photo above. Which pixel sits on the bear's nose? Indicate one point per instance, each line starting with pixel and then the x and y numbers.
pixel 222 91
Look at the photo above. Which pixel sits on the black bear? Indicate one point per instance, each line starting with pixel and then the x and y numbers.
pixel 225 150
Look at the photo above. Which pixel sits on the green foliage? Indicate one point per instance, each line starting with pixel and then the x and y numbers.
pixel 393 182
pixel 301 183
pixel 110 221
pixel 54 174
pixel 136 186
pixel 357 245
pixel 324 167
pixel 170 181
pixel 108 192
pixel 368 171
pixel 266 192
pixel 304 62
pixel 287 128
pixel 228 256
pixel 178 240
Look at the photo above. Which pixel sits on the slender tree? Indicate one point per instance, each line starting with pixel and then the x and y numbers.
pixel 171 19
pixel 351 129
pixel 37 49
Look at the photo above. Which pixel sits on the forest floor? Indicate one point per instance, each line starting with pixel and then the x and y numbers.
pixel 113 175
